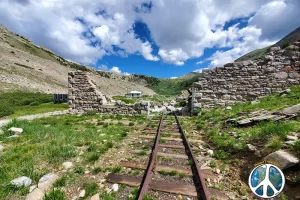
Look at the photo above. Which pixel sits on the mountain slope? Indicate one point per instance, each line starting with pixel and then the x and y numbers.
pixel 284 42
pixel 25 66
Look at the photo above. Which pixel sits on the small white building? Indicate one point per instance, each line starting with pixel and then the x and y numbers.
pixel 133 94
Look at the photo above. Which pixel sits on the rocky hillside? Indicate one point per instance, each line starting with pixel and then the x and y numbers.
pixel 26 66
pixel 283 43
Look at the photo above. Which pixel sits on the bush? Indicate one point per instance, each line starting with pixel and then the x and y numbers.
pixel 131 124
pixel 182 103
pixel 285 45
pixel 5 110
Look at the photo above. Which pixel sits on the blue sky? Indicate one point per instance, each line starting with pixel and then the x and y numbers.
pixel 162 38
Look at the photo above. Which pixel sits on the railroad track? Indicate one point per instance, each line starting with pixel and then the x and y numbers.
pixel 191 184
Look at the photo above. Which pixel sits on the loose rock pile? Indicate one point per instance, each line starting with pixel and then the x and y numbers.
pixel 248 80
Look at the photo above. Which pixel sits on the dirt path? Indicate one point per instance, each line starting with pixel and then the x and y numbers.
pixel 31 117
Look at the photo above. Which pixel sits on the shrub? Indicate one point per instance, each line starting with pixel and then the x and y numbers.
pixel 5 110
pixel 131 124
pixel 182 103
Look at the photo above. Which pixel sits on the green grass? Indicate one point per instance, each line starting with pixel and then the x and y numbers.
pixel 296 146
pixel 227 144
pixel 275 143
pixel 106 196
pixel 24 103
pixel 55 194
pixel 168 173
pixel 172 86
pixel 90 189
pixel 254 55
pixel 50 146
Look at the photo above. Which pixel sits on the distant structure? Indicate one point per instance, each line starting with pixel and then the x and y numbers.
pixel 60 98
pixel 133 94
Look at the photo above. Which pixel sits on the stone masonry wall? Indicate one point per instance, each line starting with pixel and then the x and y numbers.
pixel 248 80
pixel 83 96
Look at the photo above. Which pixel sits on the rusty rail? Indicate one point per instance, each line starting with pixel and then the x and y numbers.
pixel 151 165
pixel 198 177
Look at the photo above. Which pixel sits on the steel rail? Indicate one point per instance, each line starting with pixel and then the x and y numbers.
pixel 198 177
pixel 151 164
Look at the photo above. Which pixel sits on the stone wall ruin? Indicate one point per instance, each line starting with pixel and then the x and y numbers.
pixel 248 80
pixel 84 96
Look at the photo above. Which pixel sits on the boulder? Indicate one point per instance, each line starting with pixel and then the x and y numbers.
pixel 251 147
pixel 16 130
pixel 292 110
pixel 46 182
pixel 22 181
pixel 283 158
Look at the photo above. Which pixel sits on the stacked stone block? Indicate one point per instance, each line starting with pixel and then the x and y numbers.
pixel 84 96
pixel 248 80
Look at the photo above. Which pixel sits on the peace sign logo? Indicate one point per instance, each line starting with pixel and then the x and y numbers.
pixel 266 181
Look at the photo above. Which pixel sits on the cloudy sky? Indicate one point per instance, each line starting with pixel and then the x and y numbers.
pixel 162 38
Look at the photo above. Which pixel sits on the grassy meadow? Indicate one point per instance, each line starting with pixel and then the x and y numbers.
pixel 15 104
pixel 46 143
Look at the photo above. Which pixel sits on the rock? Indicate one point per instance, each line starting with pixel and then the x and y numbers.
pixel 274 49
pixel 33 187
pixel 22 181
pixel 291 137
pixel 13 136
pixel 171 108
pixel 210 152
pixel 115 187
pixel 16 130
pixel 281 75
pixel 291 142
pixel 254 102
pixel 251 147
pixel 218 171
pixel 257 153
pixel 283 158
pixel 1 148
pixel 36 194
pixel 67 165
pixel 292 110
pixel 82 193
pixel 95 197
pixel 46 182
pixel 228 108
